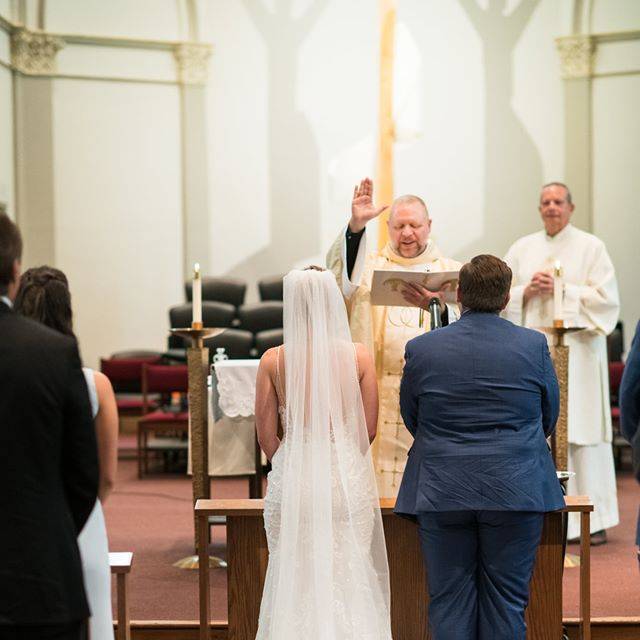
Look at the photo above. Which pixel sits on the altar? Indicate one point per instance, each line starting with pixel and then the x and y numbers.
pixel 247 557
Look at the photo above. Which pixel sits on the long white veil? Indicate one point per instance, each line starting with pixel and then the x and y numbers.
pixel 332 567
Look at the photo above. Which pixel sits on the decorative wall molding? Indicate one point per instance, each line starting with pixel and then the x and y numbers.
pixel 34 53
pixel 6 25
pixel 576 55
pixel 193 62
pixel 616 36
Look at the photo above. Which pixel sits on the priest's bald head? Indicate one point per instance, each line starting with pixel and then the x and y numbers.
pixel 409 226
pixel 555 207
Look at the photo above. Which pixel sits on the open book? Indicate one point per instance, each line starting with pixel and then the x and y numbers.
pixel 386 286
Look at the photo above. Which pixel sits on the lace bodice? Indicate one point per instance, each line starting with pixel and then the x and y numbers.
pixel 279 386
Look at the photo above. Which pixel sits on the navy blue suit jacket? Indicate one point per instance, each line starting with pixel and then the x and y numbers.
pixel 630 398
pixel 479 397
pixel 630 406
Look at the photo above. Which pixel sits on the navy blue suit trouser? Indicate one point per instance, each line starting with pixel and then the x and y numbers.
pixel 479 564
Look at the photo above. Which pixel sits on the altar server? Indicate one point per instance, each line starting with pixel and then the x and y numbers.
pixel 588 299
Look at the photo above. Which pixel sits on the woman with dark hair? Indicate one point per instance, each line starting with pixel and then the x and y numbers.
pixel 44 296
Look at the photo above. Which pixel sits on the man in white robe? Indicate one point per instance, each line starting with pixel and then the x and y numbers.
pixel 590 300
pixel 386 330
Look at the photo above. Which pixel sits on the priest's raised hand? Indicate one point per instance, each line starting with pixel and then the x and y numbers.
pixel 362 207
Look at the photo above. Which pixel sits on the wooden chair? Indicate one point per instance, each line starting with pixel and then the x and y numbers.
pixel 120 564
pixel 172 425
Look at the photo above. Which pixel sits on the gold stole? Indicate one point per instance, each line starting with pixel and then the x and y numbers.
pixel 368 322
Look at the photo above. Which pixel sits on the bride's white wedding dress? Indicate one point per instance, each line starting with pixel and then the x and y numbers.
pixel 327 577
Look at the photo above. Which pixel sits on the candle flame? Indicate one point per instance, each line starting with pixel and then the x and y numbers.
pixel 196 270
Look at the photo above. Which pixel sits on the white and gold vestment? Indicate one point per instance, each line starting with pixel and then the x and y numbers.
pixel 385 331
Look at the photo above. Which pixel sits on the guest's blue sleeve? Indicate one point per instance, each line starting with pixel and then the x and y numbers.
pixel 408 398
pixel 550 392
pixel 629 395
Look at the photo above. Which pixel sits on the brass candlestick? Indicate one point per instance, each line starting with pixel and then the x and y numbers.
pixel 560 357
pixel 198 364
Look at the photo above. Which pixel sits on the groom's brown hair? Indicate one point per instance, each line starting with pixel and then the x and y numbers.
pixel 484 283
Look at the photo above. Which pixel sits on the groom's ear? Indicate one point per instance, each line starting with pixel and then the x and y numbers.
pixel 458 294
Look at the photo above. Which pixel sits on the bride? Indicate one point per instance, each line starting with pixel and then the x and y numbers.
pixel 327 577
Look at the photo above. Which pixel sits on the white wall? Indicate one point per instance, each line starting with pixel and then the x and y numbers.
pixel 616 140
pixel 118 204
pixel 7 159
pixel 476 143
pixel 6 9
pixel 148 19
pixel 291 119
pixel 292 123
pixel 616 205
pixel 615 15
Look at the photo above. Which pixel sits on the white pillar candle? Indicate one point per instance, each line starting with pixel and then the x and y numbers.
pixel 558 285
pixel 197 294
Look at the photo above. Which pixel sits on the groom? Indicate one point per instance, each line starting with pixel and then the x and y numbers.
pixel 479 396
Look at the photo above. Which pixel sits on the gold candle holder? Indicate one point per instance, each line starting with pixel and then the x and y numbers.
pixel 560 358
pixel 198 365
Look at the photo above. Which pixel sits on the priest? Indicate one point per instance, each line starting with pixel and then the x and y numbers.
pixel 590 300
pixel 386 330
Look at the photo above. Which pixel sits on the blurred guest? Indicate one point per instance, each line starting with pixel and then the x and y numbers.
pixel 49 470
pixel 44 296
pixel 589 299
pixel 629 398
pixel 479 397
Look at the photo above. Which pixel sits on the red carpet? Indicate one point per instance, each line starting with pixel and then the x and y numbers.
pixel 153 518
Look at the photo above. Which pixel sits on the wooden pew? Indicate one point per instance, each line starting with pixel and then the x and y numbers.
pixel 120 563
pixel 247 563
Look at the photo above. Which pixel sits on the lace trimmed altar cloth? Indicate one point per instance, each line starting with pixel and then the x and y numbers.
pixel 231 398
pixel 236 385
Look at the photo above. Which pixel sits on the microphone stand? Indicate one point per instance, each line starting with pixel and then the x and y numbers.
pixel 435 314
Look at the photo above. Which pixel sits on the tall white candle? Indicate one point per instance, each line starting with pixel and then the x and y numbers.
pixel 558 286
pixel 197 294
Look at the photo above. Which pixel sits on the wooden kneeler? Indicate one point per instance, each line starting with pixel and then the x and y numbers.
pixel 120 564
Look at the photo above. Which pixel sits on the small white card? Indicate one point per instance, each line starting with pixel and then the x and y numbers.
pixel 386 286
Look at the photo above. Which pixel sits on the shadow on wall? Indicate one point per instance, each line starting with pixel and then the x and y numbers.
pixel 294 201
pixel 513 167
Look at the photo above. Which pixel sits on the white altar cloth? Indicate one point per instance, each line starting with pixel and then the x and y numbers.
pixel 231 396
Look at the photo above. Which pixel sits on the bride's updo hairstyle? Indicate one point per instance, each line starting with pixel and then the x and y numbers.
pixel 44 296
pixel 308 291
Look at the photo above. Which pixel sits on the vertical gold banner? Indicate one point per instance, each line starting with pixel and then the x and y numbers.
pixel 384 177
